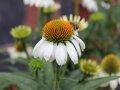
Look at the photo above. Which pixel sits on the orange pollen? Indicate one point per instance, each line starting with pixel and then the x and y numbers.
pixel 58 31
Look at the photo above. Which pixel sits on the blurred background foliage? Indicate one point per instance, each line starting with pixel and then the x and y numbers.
pixel 102 35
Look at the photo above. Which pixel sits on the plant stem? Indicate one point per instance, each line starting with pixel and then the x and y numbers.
pixel 36 74
pixel 25 49
pixel 57 72
pixel 48 17
pixel 41 20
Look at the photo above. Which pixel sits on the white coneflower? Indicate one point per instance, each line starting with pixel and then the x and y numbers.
pixel 52 8
pixel 58 41
pixel 39 3
pixel 17 52
pixel 89 67
pixel 110 67
pixel 90 5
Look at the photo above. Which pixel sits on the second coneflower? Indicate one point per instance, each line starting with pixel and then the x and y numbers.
pixel 58 41
pixel 111 67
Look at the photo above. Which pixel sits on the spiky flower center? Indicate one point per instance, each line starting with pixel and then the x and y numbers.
pixel 21 32
pixel 89 67
pixel 111 64
pixel 58 31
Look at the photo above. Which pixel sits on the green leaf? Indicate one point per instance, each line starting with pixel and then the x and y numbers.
pixel 71 80
pixel 26 82
pixel 94 83
pixel 4 83
pixel 46 75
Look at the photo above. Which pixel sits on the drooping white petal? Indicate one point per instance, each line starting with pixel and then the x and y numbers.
pixel 48 51
pixel 61 54
pixel 37 45
pixel 76 44
pixel 72 52
pixel 113 84
pixel 37 48
pixel 40 50
pixel 82 44
pixel 53 53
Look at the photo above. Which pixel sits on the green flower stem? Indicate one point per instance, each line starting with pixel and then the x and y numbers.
pixel 64 69
pixel 48 17
pixel 37 74
pixel 41 20
pixel 25 49
pixel 57 76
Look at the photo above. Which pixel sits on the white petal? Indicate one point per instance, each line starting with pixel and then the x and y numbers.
pixel 38 44
pixel 61 54
pixel 65 18
pixel 71 18
pixel 82 21
pixel 35 54
pixel 75 18
pixel 113 84
pixel 52 58
pixel 72 52
pixel 76 33
pixel 78 19
pixel 76 44
pixel 48 51
pixel 82 44
pixel 37 48
pixel 41 49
